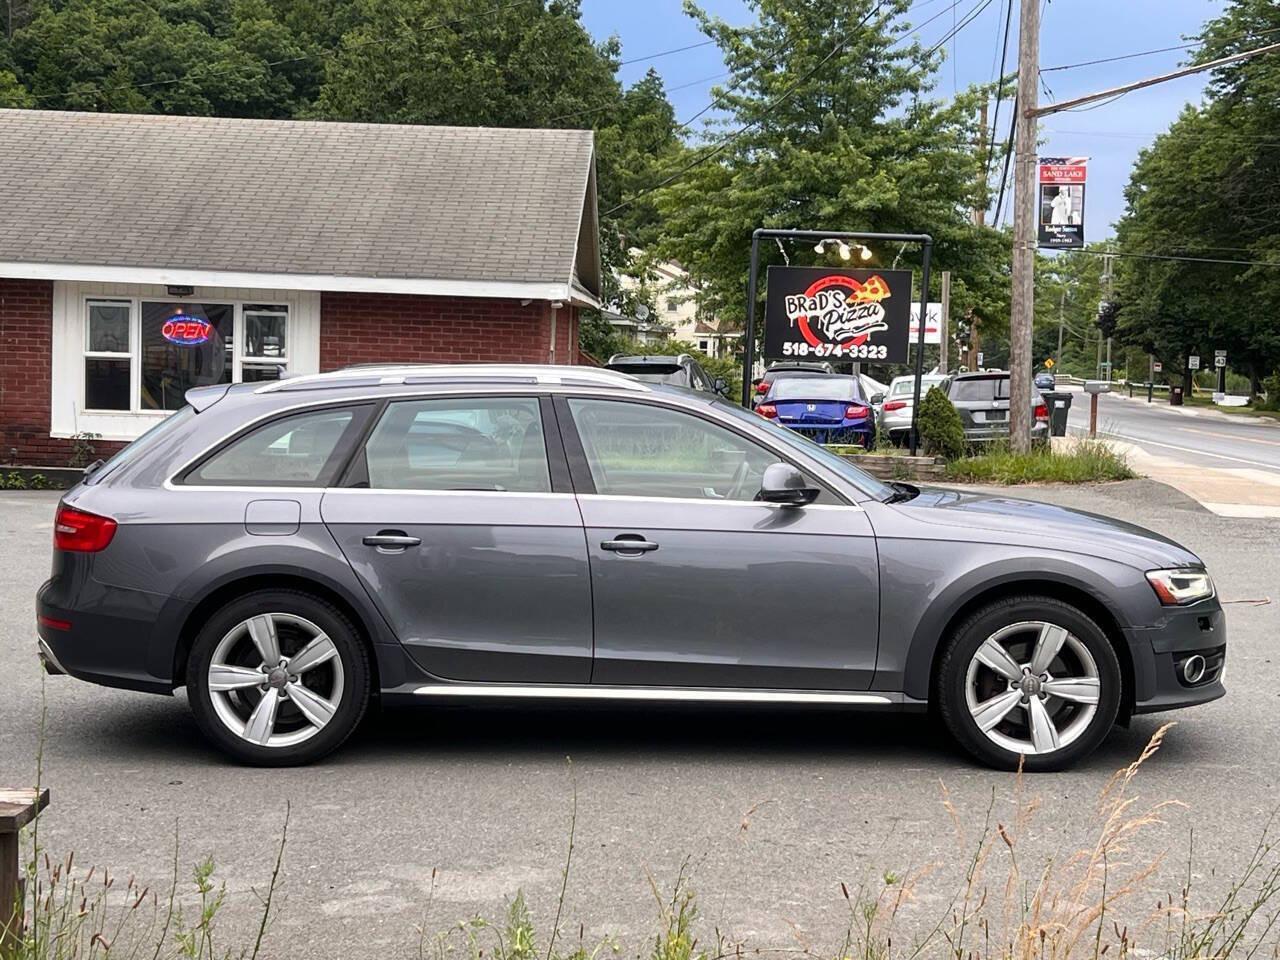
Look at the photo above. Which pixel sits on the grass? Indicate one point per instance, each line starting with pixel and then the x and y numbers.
pixel 1206 400
pixel 1100 900
pixel 1085 461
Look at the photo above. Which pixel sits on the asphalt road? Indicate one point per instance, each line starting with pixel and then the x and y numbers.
pixel 484 796
pixel 1193 435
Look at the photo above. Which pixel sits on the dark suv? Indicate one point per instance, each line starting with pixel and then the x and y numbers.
pixel 682 371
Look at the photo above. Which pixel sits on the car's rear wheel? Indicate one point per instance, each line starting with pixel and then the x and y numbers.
pixel 1030 677
pixel 278 678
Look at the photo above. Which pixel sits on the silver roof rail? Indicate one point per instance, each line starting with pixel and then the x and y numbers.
pixel 372 375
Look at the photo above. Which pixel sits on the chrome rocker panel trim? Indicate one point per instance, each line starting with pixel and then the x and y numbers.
pixel 669 694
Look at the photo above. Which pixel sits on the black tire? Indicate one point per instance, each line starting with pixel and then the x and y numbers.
pixel 963 643
pixel 352 653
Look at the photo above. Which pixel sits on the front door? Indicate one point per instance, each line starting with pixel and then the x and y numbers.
pixel 694 583
pixel 473 555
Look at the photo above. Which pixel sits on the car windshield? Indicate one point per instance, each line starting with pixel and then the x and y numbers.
pixel 165 426
pixel 980 388
pixel 789 438
pixel 815 388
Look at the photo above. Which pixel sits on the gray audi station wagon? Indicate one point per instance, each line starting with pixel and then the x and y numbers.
pixel 292 551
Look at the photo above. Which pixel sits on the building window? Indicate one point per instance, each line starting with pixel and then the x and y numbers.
pixel 108 355
pixel 705 346
pixel 673 306
pixel 144 355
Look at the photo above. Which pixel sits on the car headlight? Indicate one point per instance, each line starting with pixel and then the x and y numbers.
pixel 1177 588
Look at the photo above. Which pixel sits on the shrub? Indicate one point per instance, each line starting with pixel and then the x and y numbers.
pixel 1086 461
pixel 941 430
pixel 15 481
pixel 1271 387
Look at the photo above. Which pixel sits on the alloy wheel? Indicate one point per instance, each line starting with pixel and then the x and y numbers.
pixel 275 679
pixel 1032 687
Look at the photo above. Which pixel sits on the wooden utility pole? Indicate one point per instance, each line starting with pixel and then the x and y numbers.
pixel 1062 318
pixel 1024 228
pixel 944 324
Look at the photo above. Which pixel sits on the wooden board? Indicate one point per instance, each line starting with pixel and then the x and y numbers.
pixel 18 807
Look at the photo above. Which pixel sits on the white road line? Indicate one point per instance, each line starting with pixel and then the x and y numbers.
pixel 1199 451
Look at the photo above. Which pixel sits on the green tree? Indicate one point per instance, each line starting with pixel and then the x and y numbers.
pixel 201 57
pixel 1210 188
pixel 838 131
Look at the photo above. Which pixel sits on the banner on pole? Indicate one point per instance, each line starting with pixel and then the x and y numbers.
pixel 932 323
pixel 1061 202
pixel 837 314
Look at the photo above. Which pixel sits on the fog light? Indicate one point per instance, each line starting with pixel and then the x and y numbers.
pixel 1193 668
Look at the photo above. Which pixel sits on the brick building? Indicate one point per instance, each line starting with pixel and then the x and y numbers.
pixel 144 255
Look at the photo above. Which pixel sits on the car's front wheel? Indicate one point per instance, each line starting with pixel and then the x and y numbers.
pixel 278 678
pixel 1030 677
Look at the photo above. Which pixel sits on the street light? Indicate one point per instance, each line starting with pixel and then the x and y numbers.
pixel 864 252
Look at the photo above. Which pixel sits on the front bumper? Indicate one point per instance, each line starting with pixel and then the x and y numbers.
pixel 1160 653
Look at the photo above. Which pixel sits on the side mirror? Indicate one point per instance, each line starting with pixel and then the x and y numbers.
pixel 877 399
pixel 784 484
pixel 721 386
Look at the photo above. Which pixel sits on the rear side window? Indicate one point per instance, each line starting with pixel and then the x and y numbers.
pixel 299 450
pixel 472 443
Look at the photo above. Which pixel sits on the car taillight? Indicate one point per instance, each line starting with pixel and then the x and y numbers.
pixel 762 387
pixel 767 410
pixel 80 531
pixel 1042 411
pixel 855 412
pixel 895 405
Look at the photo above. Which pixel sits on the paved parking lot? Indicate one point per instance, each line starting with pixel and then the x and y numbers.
pixel 483 796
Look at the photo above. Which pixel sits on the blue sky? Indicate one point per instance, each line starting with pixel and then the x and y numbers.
pixel 1071 31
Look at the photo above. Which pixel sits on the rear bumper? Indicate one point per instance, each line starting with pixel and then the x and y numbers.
pixel 862 434
pixel 108 648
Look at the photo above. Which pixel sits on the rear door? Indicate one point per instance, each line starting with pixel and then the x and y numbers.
pixel 458 517
pixel 694 581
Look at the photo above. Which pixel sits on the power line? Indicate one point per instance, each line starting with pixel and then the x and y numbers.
pixel 1149 53
pixel 614 106
pixel 1169 256
pixel 972 15
pixel 1008 153
pixel 1004 52
pixel 665 53
pixel 727 141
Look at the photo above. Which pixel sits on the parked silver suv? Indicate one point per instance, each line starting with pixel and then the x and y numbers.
pixel 287 550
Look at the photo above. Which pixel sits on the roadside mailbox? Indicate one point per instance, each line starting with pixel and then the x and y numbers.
pixel 1093 388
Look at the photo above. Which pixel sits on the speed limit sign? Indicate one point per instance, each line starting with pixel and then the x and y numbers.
pixel 1220 358
pixel 1193 363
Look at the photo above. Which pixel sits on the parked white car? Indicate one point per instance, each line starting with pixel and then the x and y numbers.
pixel 895 412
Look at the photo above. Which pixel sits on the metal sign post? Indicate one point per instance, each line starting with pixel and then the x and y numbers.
pixel 764 233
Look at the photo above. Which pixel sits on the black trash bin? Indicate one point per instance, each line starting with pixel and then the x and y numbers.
pixel 1059 405
pixel 1175 396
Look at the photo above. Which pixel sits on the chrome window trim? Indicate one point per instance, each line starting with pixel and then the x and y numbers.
pixel 700 501
pixel 697 406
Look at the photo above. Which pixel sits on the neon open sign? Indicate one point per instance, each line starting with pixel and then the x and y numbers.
pixel 186 331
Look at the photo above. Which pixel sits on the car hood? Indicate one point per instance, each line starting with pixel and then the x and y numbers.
pixel 1002 519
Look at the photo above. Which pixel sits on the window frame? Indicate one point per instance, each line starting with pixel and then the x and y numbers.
pixel 580 468
pixel 355 473
pixel 131 355
pixel 238 360
pixel 364 413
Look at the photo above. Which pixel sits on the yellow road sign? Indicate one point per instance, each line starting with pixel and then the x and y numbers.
pixel 1048 364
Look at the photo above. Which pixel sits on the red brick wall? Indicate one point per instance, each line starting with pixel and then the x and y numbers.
pixel 26 344
pixel 383 328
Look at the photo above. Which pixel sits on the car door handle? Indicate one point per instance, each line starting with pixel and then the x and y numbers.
pixel 394 541
pixel 628 545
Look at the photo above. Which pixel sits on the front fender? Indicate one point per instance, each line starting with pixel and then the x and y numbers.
pixel 923 587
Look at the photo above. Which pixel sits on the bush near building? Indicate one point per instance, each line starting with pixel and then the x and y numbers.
pixel 941 430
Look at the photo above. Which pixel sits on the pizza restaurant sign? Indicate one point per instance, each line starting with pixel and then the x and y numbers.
pixel 825 313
